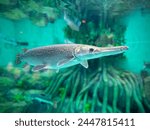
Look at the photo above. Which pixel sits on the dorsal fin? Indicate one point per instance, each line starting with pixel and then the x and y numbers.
pixel 69 42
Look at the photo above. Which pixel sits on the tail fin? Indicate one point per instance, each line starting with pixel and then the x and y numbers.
pixel 18 59
pixel 19 56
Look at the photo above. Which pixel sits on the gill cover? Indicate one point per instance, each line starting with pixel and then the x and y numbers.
pixel 80 52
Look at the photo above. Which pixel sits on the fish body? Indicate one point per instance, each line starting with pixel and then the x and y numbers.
pixel 65 55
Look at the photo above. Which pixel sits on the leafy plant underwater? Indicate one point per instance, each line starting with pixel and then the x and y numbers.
pixel 106 90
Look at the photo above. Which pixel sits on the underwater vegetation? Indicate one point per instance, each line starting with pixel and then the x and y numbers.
pixel 17 86
pixel 145 74
pixel 106 90
pixel 39 12
pixel 104 87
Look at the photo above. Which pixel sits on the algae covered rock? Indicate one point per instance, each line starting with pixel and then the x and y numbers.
pixel 37 11
pixel 38 19
pixel 6 5
pixel 6 83
pixel 13 107
pixel 30 5
pixel 51 13
pixel 15 14
pixel 34 81
pixel 15 95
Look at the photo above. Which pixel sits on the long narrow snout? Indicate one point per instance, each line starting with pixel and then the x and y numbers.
pixel 106 51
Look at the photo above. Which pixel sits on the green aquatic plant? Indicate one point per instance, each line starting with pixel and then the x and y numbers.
pixel 99 28
pixel 99 36
pixel 103 88
pixel 15 95
pixel 146 91
pixel 6 83
pixel 15 83
pixel 107 89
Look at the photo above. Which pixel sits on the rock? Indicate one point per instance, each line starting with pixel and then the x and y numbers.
pixel 43 16
pixel 15 14
pixel 37 12
pixel 6 5
pixel 40 21
pixel 30 5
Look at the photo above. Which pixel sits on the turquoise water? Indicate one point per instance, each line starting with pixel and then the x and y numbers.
pixel 25 30
pixel 138 39
pixel 118 83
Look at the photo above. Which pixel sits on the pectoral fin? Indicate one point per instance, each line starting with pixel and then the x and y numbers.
pixel 64 61
pixel 84 64
pixel 38 68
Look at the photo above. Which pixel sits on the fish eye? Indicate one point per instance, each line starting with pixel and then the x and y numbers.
pixel 91 50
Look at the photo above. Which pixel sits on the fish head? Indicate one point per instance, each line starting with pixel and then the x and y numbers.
pixel 86 52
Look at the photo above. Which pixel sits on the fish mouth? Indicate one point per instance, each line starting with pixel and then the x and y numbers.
pixel 123 48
